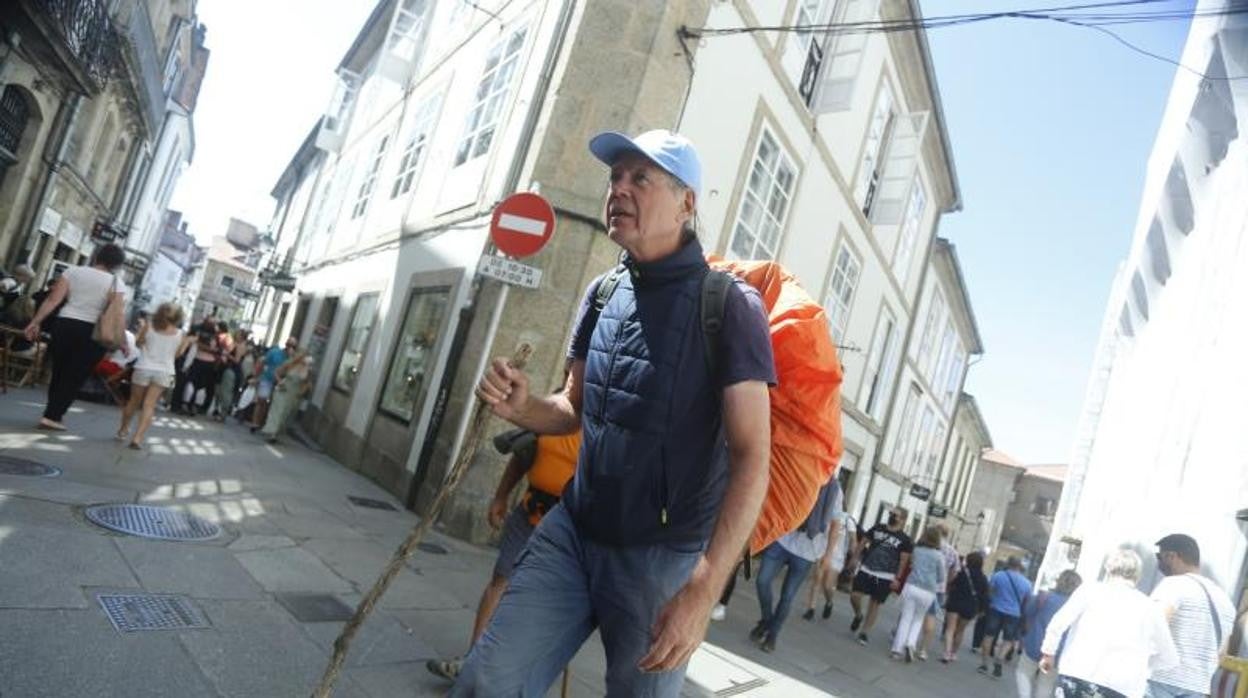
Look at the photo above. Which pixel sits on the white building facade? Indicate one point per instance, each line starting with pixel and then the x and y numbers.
pixel 845 173
pixel 1161 448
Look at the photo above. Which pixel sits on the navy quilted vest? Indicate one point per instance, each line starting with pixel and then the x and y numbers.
pixel 653 462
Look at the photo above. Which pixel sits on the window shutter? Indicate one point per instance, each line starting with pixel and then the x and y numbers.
pixel 897 175
pixel 843 58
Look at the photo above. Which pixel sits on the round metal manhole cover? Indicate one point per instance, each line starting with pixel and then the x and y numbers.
pixel 152 522
pixel 29 468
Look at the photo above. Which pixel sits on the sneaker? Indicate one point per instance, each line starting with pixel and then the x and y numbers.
pixel 909 655
pixel 769 643
pixel 853 627
pixel 895 656
pixel 719 612
pixel 809 614
pixel 946 658
pixel 827 611
pixel 996 670
pixel 921 655
pixel 983 669
pixel 756 635
pixel 1009 655
pixel 448 670
pixel 862 639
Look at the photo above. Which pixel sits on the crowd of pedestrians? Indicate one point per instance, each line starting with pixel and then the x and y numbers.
pixel 201 370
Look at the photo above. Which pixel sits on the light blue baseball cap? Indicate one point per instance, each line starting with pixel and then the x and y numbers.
pixel 672 152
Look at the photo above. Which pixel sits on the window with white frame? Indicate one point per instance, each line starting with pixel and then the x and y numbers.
pixel 369 181
pixel 888 192
pixel 417 143
pixel 764 202
pixel 843 61
pixel 953 374
pixel 905 428
pixel 491 96
pixel 927 424
pixel 406 25
pixel 932 465
pixel 936 377
pixel 909 238
pixel 931 330
pixel 873 149
pixel 881 366
pixel 842 282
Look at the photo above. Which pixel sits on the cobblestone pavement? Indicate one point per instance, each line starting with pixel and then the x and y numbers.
pixel 290 529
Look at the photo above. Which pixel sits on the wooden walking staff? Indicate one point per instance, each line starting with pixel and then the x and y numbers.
pixel 479 417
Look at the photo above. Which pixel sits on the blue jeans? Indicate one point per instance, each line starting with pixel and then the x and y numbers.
pixel 1156 689
pixel 562 588
pixel 774 557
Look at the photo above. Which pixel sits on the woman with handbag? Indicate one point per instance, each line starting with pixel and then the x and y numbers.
pixel 91 323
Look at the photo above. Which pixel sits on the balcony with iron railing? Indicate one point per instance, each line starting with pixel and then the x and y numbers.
pixel 77 35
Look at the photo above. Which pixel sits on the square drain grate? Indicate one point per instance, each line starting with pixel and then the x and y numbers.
pixel 133 612
pixel 315 608
pixel 371 503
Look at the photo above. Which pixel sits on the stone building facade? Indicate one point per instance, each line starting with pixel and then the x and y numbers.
pixel 85 88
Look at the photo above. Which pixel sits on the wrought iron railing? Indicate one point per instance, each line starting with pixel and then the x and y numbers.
pixel 810 72
pixel 87 32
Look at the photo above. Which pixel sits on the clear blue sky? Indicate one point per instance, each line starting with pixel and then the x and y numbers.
pixel 1051 129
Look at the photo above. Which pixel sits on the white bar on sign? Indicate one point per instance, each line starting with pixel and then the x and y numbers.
pixel 520 224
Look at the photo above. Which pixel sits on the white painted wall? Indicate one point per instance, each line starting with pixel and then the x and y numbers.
pixel 1167 454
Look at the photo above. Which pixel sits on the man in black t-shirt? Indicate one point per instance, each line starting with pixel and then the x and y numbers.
pixel 885 553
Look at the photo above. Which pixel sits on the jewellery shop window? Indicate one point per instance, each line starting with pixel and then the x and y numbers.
pixel 362 319
pixel 413 359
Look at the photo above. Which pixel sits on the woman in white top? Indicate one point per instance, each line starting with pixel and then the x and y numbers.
pixel 1115 636
pixel 85 292
pixel 160 341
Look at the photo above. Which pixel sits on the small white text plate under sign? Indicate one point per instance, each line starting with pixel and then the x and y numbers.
pixel 509 271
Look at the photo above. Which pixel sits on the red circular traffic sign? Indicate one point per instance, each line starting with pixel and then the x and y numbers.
pixel 522 224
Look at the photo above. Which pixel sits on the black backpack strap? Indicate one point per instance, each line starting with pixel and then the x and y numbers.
pixel 715 287
pixel 607 286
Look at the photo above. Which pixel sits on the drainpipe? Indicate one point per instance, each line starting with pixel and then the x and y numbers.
pixel 53 158
pixel 468 313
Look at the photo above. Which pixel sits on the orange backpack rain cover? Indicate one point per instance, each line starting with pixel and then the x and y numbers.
pixel 805 404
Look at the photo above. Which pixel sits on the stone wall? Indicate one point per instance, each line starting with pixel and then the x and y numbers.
pixel 624 70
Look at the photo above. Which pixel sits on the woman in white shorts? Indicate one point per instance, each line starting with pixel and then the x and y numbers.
pixel 159 341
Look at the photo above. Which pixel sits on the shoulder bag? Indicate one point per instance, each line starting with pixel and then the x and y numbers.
pixel 110 328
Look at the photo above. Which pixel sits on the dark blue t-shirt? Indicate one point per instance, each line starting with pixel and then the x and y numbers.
pixel 745 344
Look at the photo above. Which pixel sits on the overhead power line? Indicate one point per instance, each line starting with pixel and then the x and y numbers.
pixel 1093 16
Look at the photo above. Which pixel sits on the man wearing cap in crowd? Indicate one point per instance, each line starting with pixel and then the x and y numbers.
pixel 1201 618
pixel 673 463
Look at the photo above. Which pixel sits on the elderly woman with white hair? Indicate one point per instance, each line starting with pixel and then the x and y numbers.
pixel 1114 636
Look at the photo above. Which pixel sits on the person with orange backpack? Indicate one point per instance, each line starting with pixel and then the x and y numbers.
pixel 673 467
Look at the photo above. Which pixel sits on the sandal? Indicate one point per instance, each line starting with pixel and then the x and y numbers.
pixel 444 669
pixel 49 425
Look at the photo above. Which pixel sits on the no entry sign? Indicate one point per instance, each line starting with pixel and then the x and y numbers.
pixel 522 224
